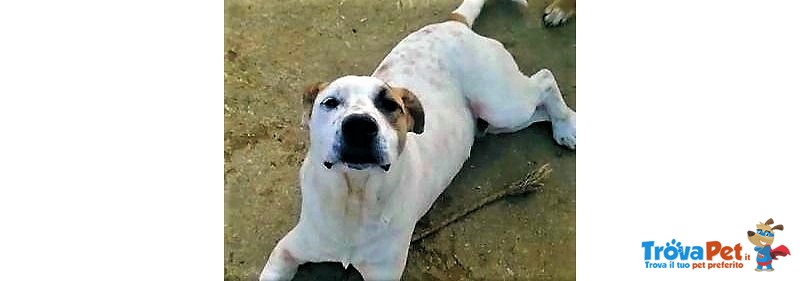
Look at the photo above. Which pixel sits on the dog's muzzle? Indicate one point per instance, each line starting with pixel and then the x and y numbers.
pixel 359 131
pixel 359 143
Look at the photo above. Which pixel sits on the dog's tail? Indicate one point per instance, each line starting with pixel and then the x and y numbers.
pixel 468 11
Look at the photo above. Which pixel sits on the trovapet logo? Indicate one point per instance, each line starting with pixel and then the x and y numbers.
pixel 715 254
pixel 674 255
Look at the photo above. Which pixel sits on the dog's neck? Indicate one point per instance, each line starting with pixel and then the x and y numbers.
pixel 349 197
pixel 364 192
pixel 356 181
pixel 347 204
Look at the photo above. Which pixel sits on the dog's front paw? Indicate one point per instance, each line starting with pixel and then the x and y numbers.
pixel 558 12
pixel 564 131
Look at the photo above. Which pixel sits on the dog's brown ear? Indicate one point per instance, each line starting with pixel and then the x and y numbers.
pixel 415 111
pixel 309 96
pixel 778 227
pixel 769 221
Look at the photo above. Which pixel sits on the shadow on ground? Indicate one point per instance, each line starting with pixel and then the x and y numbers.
pixel 274 48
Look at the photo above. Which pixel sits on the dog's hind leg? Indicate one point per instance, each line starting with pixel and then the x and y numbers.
pixel 510 101
pixel 553 106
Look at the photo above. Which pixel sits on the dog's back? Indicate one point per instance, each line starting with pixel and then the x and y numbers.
pixel 426 63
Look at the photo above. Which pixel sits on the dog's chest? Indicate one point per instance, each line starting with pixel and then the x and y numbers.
pixel 361 219
pixel 355 204
pixel 360 204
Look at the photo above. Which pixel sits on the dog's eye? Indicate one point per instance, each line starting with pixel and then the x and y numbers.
pixel 389 105
pixel 330 103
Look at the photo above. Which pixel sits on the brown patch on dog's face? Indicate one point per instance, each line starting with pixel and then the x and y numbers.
pixel 309 96
pixel 403 111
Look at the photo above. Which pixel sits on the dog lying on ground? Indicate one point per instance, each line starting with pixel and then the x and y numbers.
pixel 383 147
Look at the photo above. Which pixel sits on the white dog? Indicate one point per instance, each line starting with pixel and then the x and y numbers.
pixel 383 147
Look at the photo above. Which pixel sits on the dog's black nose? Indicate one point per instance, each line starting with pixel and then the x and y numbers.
pixel 359 129
pixel 750 233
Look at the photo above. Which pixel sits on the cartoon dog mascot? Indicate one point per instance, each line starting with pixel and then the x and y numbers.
pixel 763 238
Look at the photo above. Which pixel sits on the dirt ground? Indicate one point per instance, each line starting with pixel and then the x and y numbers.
pixel 274 48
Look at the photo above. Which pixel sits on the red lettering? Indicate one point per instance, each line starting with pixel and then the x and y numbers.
pixel 712 248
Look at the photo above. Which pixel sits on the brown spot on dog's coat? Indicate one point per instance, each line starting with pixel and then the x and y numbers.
pixel 288 257
pixel 458 17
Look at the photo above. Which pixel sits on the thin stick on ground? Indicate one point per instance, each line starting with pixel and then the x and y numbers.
pixel 533 181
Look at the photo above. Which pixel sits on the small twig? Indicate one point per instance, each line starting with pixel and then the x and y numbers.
pixel 532 182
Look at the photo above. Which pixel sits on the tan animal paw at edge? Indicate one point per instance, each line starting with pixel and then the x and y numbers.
pixel 558 13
